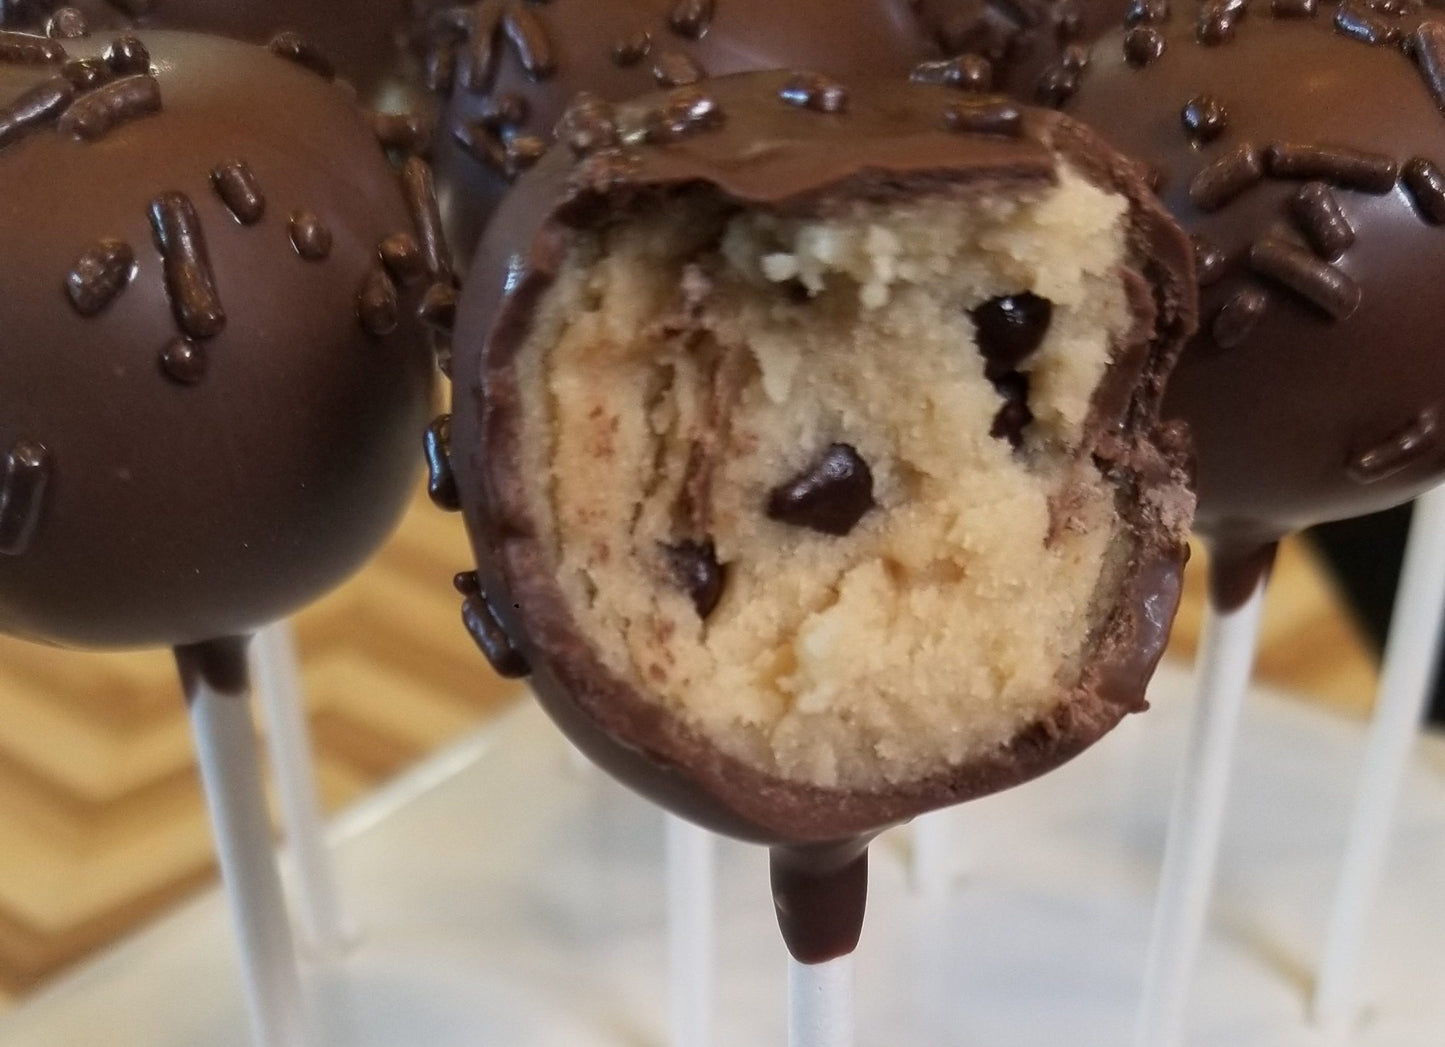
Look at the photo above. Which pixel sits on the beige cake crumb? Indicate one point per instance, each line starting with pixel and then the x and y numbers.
pixel 693 361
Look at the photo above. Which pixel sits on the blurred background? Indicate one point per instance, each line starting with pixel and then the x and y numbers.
pixel 101 819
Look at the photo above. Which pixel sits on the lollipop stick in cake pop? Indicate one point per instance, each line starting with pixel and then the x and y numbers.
pixel 1410 660
pixel 277 683
pixel 691 889
pixel 215 680
pixel 820 1003
pixel 1225 664
pixel 934 862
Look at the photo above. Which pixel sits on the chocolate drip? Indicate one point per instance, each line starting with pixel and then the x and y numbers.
pixel 487 631
pixel 99 275
pixel 1400 450
pixel 34 108
pixel 219 665
pixel 820 894
pixel 22 492
pixel 441 482
pixel 1236 570
pixel 295 48
pixel 310 238
pixel 421 201
pixel 239 191
pixel 189 280
pixel 1330 289
pixel 1322 220
pixel 30 49
pixel 93 115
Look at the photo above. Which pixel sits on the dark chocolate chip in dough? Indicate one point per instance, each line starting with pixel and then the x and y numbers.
pixel 830 496
pixel 696 568
pixel 1009 329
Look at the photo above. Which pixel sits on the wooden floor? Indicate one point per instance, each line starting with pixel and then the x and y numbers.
pixel 101 820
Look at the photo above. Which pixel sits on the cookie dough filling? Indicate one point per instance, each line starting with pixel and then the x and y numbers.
pixel 824 485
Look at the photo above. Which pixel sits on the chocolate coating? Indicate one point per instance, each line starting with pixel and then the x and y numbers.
pixel 221 440
pixel 1312 388
pixel 509 78
pixel 357 37
pixel 889 144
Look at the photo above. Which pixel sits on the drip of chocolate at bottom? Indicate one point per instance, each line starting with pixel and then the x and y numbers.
pixel 1235 571
pixel 820 893
pixel 219 664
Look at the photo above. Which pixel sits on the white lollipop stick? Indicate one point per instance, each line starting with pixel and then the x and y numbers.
pixel 1226 662
pixel 277 681
pixel 934 864
pixel 1409 667
pixel 214 676
pixel 691 888
pixel 820 1003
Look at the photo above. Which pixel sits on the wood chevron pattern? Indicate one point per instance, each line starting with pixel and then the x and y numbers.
pixel 101 820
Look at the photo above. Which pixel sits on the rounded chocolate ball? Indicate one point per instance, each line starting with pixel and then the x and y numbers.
pixel 510 70
pixel 214 384
pixel 1299 145
pixel 357 38
pixel 1033 49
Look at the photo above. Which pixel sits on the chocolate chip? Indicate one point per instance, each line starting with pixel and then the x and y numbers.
pixel 1010 328
pixel 1014 416
pixel 1205 118
pixel 1142 45
pixel 695 568
pixel 830 496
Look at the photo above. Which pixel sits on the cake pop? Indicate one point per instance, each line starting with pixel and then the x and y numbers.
pixel 508 70
pixel 356 39
pixel 777 402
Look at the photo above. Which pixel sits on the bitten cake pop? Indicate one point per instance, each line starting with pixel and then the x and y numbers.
pixel 510 69
pixel 357 39
pixel 807 438
pixel 1299 145
pixel 214 370
pixel 1033 49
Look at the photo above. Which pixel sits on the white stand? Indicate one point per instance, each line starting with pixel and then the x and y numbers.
pixel 1408 670
pixel 820 1003
pixel 1226 662
pixel 934 865
pixel 276 679
pixel 691 890
pixel 230 772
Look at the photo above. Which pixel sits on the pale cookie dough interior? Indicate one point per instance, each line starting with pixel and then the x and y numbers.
pixel 692 361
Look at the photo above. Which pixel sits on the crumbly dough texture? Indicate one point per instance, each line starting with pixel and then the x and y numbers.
pixel 692 358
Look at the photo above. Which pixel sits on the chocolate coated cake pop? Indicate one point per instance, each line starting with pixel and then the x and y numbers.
pixel 355 38
pixel 214 372
pixel 1299 143
pixel 509 69
pixel 807 438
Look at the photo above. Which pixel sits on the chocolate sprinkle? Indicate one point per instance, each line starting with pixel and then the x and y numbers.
pixel 822 94
pixel 30 49
pixel 407 134
pixel 67 24
pixel 1426 186
pixel 237 187
pixel 87 73
pixel 127 56
pixel 1222 181
pixel 630 50
pixel 830 496
pixel 441 482
pixel 686 112
pixel 99 275
pixel 34 108
pixel 1146 12
pixel 401 255
pixel 184 361
pixel 1056 86
pixel 310 238
pixel 696 570
pixel 486 629
pixel 1399 450
pixel 1143 44
pixel 1293 8
pixel 376 303
pixel 1238 317
pixel 1010 329
pixel 1343 167
pixel 189 280
pixel 295 48
pixel 1427 47
pixel 675 69
pixel 991 117
pixel 421 201
pixel 1322 220
pixel 589 124
pixel 1364 26
pixel 965 73
pixel 1217 23
pixel 691 18
pixel 22 491
pixel 1205 118
pixel 1330 289
pixel 1209 261
pixel 438 307
pixel 529 40
pixel 93 115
